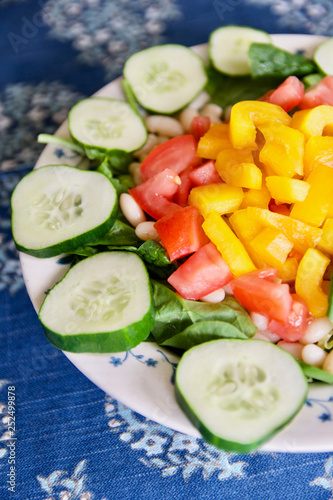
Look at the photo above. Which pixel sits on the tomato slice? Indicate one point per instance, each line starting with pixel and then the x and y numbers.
pixel 321 93
pixel 202 273
pixel 177 153
pixel 199 126
pixel 154 194
pixel 263 295
pixel 288 95
pixel 184 188
pixel 205 174
pixel 181 232
pixel 297 323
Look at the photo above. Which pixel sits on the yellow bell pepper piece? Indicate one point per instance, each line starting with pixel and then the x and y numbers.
pixel 303 236
pixel 247 115
pixel 318 151
pixel 230 247
pixel 288 270
pixel 314 209
pixel 309 280
pixel 214 140
pixel 256 197
pixel 246 228
pixel 283 150
pixel 220 197
pixel 312 122
pixel 326 242
pixel 286 190
pixel 272 245
pixel 236 168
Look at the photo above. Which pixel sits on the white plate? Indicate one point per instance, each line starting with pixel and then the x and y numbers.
pixel 142 378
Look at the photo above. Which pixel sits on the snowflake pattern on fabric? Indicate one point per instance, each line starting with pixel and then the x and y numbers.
pixel 326 481
pixel 27 110
pixel 315 17
pixel 107 33
pixel 10 270
pixel 169 451
pixel 59 485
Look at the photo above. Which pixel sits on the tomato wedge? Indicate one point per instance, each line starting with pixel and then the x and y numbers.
pixel 177 153
pixel 154 194
pixel 181 232
pixel 321 93
pixel 202 273
pixel 297 323
pixel 199 126
pixel 263 295
pixel 288 95
pixel 205 174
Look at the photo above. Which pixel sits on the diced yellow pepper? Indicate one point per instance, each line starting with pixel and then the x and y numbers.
pixel 230 247
pixel 326 242
pixel 246 228
pixel 312 122
pixel 214 140
pixel 247 115
pixel 272 245
pixel 288 270
pixel 318 151
pixel 220 197
pixel 286 190
pixel 314 209
pixel 309 280
pixel 283 150
pixel 236 168
pixel 256 198
pixel 303 236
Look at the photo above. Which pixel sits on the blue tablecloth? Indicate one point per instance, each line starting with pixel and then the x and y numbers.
pixel 71 441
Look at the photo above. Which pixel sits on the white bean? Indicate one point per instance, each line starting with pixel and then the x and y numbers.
pixel 316 331
pixel 200 100
pixel 294 348
pixel 313 355
pixel 213 111
pixel 131 209
pixel 328 363
pixel 260 321
pixel 134 170
pixel 164 125
pixel 267 335
pixel 146 231
pixel 228 290
pixel 150 143
pixel 186 118
pixel 214 297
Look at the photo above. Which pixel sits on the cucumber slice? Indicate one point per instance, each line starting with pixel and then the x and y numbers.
pixel 238 393
pixel 103 304
pixel 57 208
pixel 228 48
pixel 323 57
pixel 165 78
pixel 106 124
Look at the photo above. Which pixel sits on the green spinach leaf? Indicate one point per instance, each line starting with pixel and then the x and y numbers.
pixel 268 60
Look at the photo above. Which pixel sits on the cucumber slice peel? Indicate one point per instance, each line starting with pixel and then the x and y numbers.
pixel 323 57
pixel 239 393
pixel 165 78
pixel 57 208
pixel 107 125
pixel 228 48
pixel 103 304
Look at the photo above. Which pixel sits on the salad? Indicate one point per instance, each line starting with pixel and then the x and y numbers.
pixel 231 213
